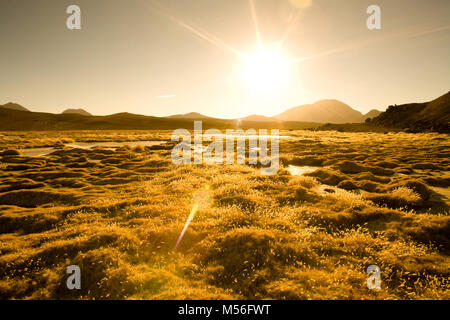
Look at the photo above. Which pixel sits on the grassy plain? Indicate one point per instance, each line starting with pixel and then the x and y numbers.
pixel 366 198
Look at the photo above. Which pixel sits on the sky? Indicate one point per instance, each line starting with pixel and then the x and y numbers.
pixel 176 56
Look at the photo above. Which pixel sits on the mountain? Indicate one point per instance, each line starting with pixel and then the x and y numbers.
pixel 255 117
pixel 77 111
pixel 417 117
pixel 323 111
pixel 372 114
pixel 14 106
pixel 190 115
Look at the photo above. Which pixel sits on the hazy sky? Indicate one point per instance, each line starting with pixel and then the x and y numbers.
pixel 130 56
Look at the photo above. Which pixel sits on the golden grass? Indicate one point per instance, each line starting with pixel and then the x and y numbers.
pixel 118 214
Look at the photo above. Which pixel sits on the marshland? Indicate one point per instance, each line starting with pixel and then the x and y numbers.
pixel 339 203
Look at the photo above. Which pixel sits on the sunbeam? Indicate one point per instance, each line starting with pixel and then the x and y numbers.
pixel 157 7
pixel 354 46
pixel 255 23
pixel 289 29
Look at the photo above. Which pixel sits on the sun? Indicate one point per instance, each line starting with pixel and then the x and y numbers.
pixel 266 71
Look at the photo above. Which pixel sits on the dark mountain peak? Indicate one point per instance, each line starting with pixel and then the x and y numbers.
pixel 372 114
pixel 77 111
pixel 14 106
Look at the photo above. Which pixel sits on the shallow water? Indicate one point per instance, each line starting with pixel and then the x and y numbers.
pixel 299 170
pixel 443 192
pixel 11 137
pixel 37 152
pixel 46 151
pixel 261 136
pixel 114 144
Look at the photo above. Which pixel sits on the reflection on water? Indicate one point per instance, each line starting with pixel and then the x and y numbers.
pixel 37 152
pixel 299 170
pixel 244 136
pixel 11 137
pixel 46 151
pixel 442 192
pixel 114 144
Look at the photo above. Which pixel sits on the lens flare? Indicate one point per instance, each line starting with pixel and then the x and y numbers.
pixel 200 199
pixel 186 225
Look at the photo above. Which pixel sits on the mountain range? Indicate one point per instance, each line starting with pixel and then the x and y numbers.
pixel 428 116
pixel 323 111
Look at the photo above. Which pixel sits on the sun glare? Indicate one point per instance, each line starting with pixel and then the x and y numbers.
pixel 266 71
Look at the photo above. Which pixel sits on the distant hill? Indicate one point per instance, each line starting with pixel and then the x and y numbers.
pixel 14 106
pixel 190 115
pixel 77 111
pixel 255 117
pixel 372 114
pixel 418 117
pixel 323 111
